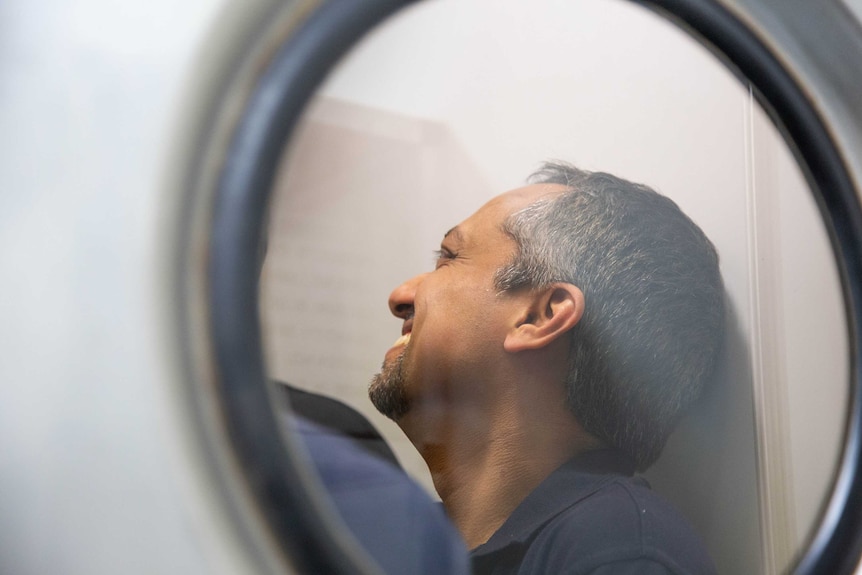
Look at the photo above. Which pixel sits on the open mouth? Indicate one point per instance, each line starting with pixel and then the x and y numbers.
pixel 402 340
pixel 406 329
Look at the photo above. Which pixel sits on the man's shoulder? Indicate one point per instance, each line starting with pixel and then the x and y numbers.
pixel 624 523
pixel 590 517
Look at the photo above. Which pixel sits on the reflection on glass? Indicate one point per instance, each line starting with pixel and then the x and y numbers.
pixel 452 103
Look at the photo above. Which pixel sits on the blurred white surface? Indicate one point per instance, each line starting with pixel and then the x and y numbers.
pixel 93 476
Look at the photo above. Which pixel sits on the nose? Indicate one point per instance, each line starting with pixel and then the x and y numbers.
pixel 401 298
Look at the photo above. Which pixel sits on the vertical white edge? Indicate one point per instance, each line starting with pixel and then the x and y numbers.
pixel 765 329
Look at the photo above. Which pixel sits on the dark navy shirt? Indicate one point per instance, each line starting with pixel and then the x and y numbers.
pixel 591 516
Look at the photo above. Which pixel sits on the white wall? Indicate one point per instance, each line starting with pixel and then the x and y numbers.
pixel 452 102
pixel 814 339
pixel 97 475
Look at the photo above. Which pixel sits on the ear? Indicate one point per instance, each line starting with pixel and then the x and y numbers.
pixel 552 312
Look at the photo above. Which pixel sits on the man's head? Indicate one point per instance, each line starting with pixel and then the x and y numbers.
pixel 455 318
pixel 640 279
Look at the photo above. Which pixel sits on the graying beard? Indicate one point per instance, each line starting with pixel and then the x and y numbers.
pixel 386 390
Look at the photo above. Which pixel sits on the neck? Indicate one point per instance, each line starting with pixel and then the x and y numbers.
pixel 483 466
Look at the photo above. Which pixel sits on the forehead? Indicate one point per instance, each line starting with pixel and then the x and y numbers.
pixel 494 213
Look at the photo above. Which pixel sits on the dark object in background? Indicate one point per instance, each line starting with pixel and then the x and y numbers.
pixel 397 523
pixel 404 530
pixel 340 417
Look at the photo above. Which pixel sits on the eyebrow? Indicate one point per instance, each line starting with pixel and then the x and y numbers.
pixel 456 233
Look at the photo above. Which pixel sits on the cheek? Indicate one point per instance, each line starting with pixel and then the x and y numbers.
pixel 453 314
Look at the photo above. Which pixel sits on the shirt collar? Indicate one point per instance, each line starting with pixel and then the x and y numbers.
pixel 572 482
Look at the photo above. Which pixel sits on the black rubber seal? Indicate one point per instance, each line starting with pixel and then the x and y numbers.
pixel 238 219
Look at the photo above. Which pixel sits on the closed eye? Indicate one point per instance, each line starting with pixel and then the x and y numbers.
pixel 443 256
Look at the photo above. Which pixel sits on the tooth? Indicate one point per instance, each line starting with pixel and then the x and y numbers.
pixel 402 340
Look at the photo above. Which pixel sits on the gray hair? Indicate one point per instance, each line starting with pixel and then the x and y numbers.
pixel 653 324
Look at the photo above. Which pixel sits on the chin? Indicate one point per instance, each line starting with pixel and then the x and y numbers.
pixel 387 390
